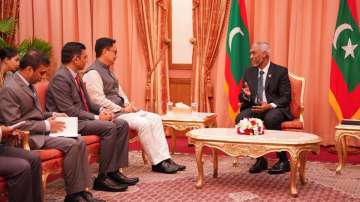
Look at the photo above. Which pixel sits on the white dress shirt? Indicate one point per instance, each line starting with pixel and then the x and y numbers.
pixel 265 76
pixel 95 89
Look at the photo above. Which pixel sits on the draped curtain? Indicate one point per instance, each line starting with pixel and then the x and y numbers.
pixel 208 25
pixel 9 9
pixel 61 21
pixel 300 33
pixel 152 23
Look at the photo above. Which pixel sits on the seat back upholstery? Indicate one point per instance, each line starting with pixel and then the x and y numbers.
pixel 41 90
pixel 297 96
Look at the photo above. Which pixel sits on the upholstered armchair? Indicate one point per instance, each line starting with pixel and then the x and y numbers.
pixel 52 159
pixel 297 104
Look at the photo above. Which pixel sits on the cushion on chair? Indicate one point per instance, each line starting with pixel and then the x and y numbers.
pixel 295 105
pixel 91 139
pixel 41 90
pixel 47 154
pixel 52 166
pixel 294 124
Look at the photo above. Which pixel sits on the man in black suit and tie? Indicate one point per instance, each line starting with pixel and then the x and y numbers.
pixel 67 94
pixel 19 103
pixel 266 95
pixel 21 169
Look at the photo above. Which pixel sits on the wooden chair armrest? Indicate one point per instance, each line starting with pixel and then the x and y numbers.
pixel 25 140
pixel 21 139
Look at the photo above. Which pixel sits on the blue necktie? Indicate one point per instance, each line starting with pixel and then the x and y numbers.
pixel 260 88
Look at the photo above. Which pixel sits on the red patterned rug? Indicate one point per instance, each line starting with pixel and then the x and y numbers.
pixel 233 183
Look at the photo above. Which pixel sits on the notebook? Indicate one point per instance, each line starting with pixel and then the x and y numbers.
pixel 71 127
pixel 350 122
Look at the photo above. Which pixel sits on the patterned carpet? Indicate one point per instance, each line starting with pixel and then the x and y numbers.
pixel 233 183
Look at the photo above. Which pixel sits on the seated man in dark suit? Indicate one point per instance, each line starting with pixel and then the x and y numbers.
pixel 19 103
pixel 266 95
pixel 67 94
pixel 21 169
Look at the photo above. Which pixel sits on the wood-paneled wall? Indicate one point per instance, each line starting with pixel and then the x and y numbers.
pixel 180 83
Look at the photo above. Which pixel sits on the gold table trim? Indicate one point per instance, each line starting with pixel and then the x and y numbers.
pixel 235 149
pixel 181 125
pixel 343 131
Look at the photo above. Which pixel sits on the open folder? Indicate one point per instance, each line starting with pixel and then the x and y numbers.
pixel 71 127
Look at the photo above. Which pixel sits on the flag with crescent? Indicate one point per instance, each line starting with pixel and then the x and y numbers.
pixel 237 54
pixel 344 94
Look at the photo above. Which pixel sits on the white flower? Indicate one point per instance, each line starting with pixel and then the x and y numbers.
pixel 250 126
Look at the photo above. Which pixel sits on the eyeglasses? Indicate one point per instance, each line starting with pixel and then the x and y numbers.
pixel 114 51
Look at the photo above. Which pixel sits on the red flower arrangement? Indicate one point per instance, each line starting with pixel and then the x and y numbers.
pixel 250 126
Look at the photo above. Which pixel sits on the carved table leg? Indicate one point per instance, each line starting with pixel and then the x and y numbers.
pixel 44 177
pixel 339 145
pixel 215 162
pixel 302 167
pixel 173 138
pixel 199 163
pixel 294 168
pixel 344 150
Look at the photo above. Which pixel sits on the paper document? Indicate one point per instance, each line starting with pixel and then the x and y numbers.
pixel 71 127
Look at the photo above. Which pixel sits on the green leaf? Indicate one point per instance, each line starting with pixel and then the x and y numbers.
pixel 7 26
pixel 3 43
pixel 34 44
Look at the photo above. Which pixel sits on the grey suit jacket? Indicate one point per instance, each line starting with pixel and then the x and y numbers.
pixel 18 103
pixel 63 95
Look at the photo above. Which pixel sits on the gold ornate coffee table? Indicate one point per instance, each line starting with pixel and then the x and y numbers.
pixel 226 140
pixel 343 131
pixel 181 122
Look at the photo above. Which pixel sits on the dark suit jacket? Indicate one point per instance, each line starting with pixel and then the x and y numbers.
pixel 277 88
pixel 18 103
pixel 63 95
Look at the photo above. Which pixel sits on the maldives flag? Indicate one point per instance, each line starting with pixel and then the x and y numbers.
pixel 237 53
pixel 344 95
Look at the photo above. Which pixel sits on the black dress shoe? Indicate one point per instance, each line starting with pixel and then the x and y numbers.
pixel 122 179
pixel 106 184
pixel 75 197
pixel 89 197
pixel 179 167
pixel 280 167
pixel 164 167
pixel 260 165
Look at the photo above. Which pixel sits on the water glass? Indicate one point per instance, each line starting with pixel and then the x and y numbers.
pixel 169 107
pixel 194 107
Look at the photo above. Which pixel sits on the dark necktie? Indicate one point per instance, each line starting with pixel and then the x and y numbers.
pixel 32 89
pixel 260 88
pixel 36 100
pixel 82 93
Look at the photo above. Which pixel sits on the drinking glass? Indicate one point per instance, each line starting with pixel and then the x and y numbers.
pixel 169 108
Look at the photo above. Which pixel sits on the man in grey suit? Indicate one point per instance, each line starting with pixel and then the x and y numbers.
pixel 67 94
pixel 20 103
pixel 21 169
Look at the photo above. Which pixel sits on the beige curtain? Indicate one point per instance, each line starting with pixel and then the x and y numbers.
pixel 61 21
pixel 208 25
pixel 153 18
pixel 300 33
pixel 9 8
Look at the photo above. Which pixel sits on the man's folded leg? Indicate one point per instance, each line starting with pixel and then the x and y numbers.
pixel 76 166
pixel 113 152
pixel 152 138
